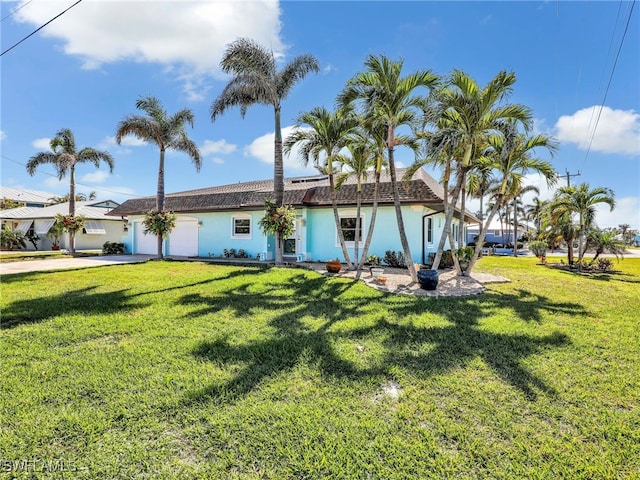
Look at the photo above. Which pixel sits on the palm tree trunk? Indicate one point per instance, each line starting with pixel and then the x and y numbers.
pixel 483 234
pixel 515 227
pixel 72 206
pixel 336 215
pixel 357 239
pixel 160 199
pixel 445 204
pixel 396 203
pixel 461 239
pixel 372 222
pixel 278 179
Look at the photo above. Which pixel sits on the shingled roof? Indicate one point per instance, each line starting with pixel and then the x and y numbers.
pixel 300 192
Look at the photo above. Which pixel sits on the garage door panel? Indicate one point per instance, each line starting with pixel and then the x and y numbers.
pixel 183 240
pixel 145 244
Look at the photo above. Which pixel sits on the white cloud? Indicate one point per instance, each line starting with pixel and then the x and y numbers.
pixel 95 177
pixel 218 146
pixel 262 149
pixel 190 35
pixel 42 143
pixel 128 141
pixel 618 131
pixel 3 135
pixel 217 160
pixel 54 183
pixel 627 210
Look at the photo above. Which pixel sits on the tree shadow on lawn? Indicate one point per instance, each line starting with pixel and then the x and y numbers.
pixel 454 345
pixel 87 301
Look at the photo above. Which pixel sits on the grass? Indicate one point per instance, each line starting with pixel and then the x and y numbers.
pixel 22 255
pixel 190 370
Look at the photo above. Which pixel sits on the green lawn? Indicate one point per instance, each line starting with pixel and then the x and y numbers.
pixel 191 370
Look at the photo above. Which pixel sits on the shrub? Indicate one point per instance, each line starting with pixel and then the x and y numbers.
pixel 11 239
pixel 395 259
pixel 112 248
pixel 373 260
pixel 445 262
pixel 604 265
pixel 242 254
pixel 159 223
pixel 538 248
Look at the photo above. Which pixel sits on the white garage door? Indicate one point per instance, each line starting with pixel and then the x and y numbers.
pixel 183 240
pixel 145 244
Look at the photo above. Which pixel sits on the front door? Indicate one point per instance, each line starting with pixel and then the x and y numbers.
pixel 291 244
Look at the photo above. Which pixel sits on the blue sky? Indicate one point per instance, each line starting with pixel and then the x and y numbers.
pixel 85 70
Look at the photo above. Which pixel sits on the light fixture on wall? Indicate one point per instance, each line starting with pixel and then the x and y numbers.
pixel 199 223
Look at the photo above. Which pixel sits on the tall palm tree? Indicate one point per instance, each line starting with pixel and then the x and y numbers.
pixel 390 99
pixel 167 132
pixel 516 193
pixel 513 154
pixel 582 201
pixel 257 80
pixel 534 212
pixel 363 157
pixel 65 156
pixel 321 142
pixel 471 114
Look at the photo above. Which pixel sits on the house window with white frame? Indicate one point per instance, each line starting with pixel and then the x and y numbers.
pixel 348 226
pixel 241 227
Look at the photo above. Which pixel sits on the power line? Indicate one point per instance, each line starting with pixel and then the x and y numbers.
pixel 606 92
pixel 77 183
pixel 39 28
pixel 15 10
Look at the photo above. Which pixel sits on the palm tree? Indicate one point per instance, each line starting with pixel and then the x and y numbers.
pixel 167 132
pixel 64 156
pixel 328 133
pixel 80 197
pixel 387 98
pixel 513 157
pixel 258 81
pixel 605 241
pixel 363 157
pixel 518 191
pixel 469 115
pixel 582 201
pixel 534 212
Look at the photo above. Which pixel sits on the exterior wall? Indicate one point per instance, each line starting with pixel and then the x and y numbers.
pixel 316 235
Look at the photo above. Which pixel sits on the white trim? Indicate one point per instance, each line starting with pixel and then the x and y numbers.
pixel 94 227
pixel 241 236
pixel 45 227
pixel 363 235
pixel 24 226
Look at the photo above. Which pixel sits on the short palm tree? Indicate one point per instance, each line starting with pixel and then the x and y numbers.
pixel 167 132
pixel 327 134
pixel 257 80
pixel 64 156
pixel 605 241
pixel 390 99
pixel 582 201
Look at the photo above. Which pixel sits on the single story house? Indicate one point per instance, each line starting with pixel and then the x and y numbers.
pixel 25 198
pixel 498 233
pixel 212 220
pixel 37 221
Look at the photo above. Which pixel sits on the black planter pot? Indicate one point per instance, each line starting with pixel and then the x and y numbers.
pixel 428 279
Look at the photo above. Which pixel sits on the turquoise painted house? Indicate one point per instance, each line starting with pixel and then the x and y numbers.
pixel 212 220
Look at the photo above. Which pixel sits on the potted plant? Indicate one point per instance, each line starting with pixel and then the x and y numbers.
pixel 333 266
pixel 55 234
pixel 428 279
pixel 464 254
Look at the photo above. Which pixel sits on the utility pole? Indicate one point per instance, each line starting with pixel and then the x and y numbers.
pixel 569 175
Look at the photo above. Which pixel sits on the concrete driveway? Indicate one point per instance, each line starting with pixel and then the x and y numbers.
pixel 10 268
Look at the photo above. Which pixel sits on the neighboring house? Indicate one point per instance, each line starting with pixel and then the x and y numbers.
pixel 211 220
pixel 500 233
pixel 26 198
pixel 99 228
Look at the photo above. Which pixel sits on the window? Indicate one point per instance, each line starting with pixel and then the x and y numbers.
pixel 45 227
pixel 429 230
pixel 348 226
pixel 241 227
pixel 24 226
pixel 94 228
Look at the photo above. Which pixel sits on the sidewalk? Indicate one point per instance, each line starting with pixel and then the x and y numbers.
pixel 10 268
